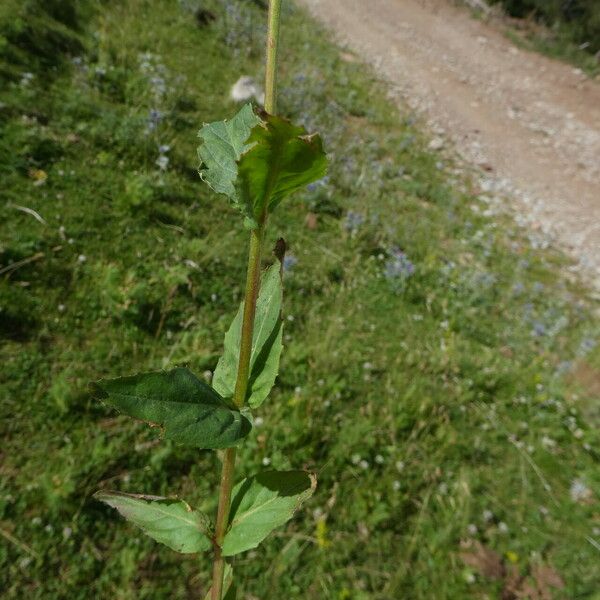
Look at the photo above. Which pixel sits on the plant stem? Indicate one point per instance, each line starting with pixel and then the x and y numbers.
pixel 252 288
pixel 272 48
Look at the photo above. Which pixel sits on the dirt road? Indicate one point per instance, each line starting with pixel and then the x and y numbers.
pixel 531 123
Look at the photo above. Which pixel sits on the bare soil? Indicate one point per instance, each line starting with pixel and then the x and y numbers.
pixel 530 124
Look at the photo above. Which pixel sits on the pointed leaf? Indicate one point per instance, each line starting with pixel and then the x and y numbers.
pixel 280 159
pixel 266 343
pixel 229 591
pixel 223 142
pixel 167 520
pixel 188 410
pixel 262 503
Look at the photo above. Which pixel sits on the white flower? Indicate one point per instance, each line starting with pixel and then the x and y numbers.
pixel 355 459
pixel 67 533
pixel 266 461
pixel 579 491
pixel 245 88
pixel 472 529
pixel 379 459
pixel 502 527
pixel 363 464
pixel 162 162
pixel 81 258
pixel 258 421
pixel 396 485
pixel 488 515
pixel 400 465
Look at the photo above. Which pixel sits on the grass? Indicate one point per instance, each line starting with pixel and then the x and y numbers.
pixel 558 41
pixel 555 44
pixel 421 400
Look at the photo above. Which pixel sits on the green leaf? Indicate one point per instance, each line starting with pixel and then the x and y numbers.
pixel 280 159
pixel 188 410
pixel 229 591
pixel 262 503
pixel 167 520
pixel 223 142
pixel 266 343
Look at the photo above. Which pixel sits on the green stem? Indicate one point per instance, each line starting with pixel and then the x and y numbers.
pixel 272 50
pixel 252 288
pixel 239 396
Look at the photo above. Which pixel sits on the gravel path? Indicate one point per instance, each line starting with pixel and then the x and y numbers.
pixel 530 124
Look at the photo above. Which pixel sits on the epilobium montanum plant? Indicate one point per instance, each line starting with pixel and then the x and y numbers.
pixel 256 160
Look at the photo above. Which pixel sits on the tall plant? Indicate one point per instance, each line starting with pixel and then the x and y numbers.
pixel 256 159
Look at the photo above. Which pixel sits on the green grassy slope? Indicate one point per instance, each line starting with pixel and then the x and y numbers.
pixel 448 404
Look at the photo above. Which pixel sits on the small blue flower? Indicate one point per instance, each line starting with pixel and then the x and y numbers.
pixel 353 220
pixel 539 329
pixel 289 262
pixel 398 267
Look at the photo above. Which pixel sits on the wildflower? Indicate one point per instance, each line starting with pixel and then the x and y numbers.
pixel 587 345
pixel 579 491
pixel 162 162
pixel 315 185
pixel 355 459
pixel 289 262
pixel 164 148
pixel 26 79
pixel 513 557
pixel 159 86
pixel 379 459
pixel 266 461
pixel 155 116
pixel 502 527
pixel 472 529
pixel 396 485
pixel 363 464
pixel 398 267
pixel 539 329
pixel 67 532
pixel 245 88
pixel 400 466
pixel 258 421
pixel 81 258
pixel 488 515
pixel 39 176
pixel 353 221
pixel 208 375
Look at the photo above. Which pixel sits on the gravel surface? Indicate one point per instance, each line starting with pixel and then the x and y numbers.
pixel 529 124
